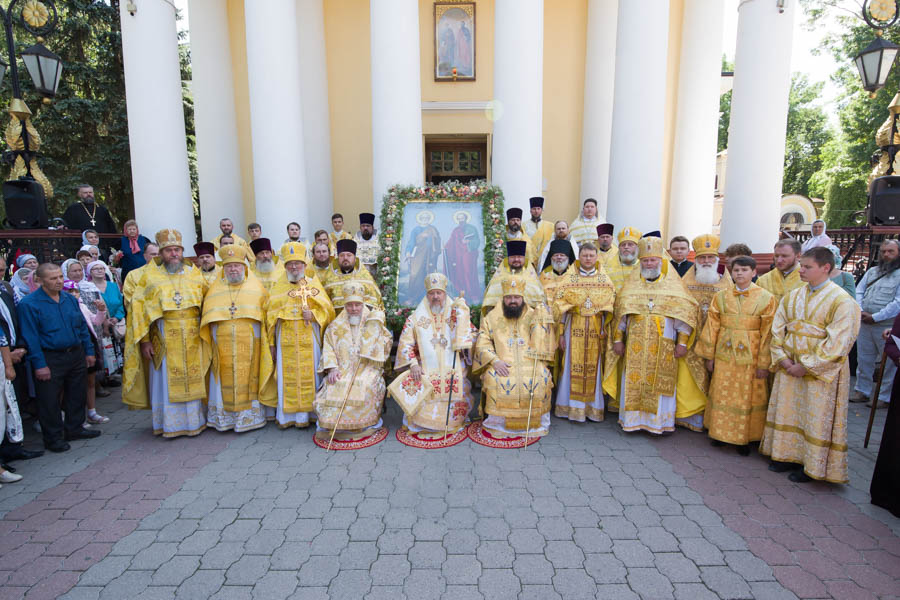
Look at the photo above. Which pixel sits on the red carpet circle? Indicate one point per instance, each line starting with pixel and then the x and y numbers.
pixel 408 438
pixel 478 435
pixel 376 438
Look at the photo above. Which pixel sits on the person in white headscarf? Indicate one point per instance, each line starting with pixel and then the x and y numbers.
pixel 818 238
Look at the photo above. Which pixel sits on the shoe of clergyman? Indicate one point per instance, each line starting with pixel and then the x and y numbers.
pixel 7 477
pixel 82 434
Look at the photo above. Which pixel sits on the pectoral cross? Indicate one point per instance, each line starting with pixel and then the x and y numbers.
pixel 93 222
pixel 232 309
pixel 650 304
pixel 177 298
pixel 304 292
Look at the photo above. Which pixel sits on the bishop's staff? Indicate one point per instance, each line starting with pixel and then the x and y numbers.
pixel 462 340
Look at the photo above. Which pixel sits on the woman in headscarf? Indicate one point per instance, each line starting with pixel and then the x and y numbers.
pixel 22 283
pixel 109 290
pixel 131 252
pixel 842 278
pixel 29 261
pixel 818 238
pixel 72 270
pixel 94 322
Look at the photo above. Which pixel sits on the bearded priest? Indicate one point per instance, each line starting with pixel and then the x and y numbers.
pixel 703 281
pixel 165 358
pixel 621 267
pixel 514 231
pixel 514 346
pixel 354 350
pixel 559 259
pixel 607 251
pixel 297 314
pixel 786 274
pixel 437 330
pixel 265 267
pixel 539 230
pixel 584 304
pixel 515 263
pixel 655 317
pixel 234 326
pixel 346 269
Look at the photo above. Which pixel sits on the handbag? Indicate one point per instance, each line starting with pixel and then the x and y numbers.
pixel 13 419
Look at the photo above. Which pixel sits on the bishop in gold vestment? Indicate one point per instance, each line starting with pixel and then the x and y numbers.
pixel 584 303
pixel 515 343
pixel 165 358
pixel 346 269
pixel 515 263
pixel 812 333
pixel 297 314
pixel 786 274
pixel 703 282
pixel 234 325
pixel 655 317
pixel 621 267
pixel 265 266
pixel 354 351
pixel 432 334
pixel 734 342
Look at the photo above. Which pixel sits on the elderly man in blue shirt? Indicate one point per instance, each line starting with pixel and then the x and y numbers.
pixel 59 350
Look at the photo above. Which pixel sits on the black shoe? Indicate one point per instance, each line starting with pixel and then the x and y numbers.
pixel 6 467
pixel 57 446
pixel 82 434
pixel 716 443
pixel 782 467
pixel 21 454
pixel 743 450
pixel 799 477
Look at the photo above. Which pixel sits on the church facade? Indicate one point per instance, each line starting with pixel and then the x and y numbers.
pixel 307 107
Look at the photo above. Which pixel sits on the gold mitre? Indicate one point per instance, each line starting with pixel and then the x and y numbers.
pixel 230 253
pixel 436 281
pixel 630 234
pixel 650 247
pixel 168 237
pixel 293 251
pixel 514 285
pixel 353 292
pixel 706 244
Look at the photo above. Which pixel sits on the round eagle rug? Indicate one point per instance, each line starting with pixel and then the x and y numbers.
pixel 338 444
pixel 478 435
pixel 430 440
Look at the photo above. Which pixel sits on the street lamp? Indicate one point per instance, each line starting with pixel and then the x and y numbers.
pixel 875 61
pixel 45 68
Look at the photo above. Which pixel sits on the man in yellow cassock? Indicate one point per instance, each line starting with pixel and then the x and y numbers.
pixel 132 280
pixel 320 261
pixel 703 281
pixel 433 333
pixel 734 342
pixel 584 227
pixel 346 269
pixel 514 231
pixel 812 333
pixel 515 263
pixel 298 312
pixel 561 233
pixel 537 229
pixel 265 265
pixel 625 264
pixel 165 358
pixel 515 343
pixel 227 229
pixel 337 223
pixel 206 261
pixel 655 317
pixel 559 258
pixel 354 350
pixel 584 304
pixel 786 274
pixel 607 250
pixel 234 325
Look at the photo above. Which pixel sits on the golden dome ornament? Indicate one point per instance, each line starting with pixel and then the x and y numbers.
pixel 883 10
pixel 35 13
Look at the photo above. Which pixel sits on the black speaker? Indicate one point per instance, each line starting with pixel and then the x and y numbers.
pixel 26 205
pixel 884 201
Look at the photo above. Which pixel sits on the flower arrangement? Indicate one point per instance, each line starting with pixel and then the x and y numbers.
pixel 391 232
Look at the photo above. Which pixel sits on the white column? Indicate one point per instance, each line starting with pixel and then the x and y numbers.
pixel 636 153
pixel 276 116
pixel 517 146
pixel 697 120
pixel 215 118
pixel 316 123
pixel 759 107
pixel 599 83
pixel 159 162
pixel 396 97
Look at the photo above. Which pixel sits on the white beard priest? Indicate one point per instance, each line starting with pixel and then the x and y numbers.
pixel 354 351
pixel 431 338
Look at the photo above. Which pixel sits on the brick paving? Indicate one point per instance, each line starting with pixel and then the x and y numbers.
pixel 588 512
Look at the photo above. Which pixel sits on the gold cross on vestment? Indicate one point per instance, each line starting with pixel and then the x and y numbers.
pixel 177 298
pixel 650 304
pixel 232 309
pixel 304 292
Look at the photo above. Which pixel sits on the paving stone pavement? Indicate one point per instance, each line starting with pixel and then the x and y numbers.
pixel 587 512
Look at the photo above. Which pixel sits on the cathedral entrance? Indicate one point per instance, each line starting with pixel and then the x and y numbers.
pixel 464 161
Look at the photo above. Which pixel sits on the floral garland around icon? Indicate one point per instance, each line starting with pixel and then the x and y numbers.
pixel 391 232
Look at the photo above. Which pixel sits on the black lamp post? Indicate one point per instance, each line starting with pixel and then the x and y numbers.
pixel 875 61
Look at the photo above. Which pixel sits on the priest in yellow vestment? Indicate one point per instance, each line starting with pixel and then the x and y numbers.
pixel 433 333
pixel 703 281
pixel 812 333
pixel 297 314
pixel 515 343
pixel 625 263
pixel 607 250
pixel 538 229
pixel 206 261
pixel 786 274
pixel 515 263
pixel 559 258
pixel 584 304
pixel 354 350
pixel 734 342
pixel 654 321
pixel 234 325
pixel 227 228
pixel 165 359
pixel 514 231
pixel 346 269
pixel 265 265
pixel 584 227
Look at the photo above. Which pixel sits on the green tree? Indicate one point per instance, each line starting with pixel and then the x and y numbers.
pixel 725 108
pixel 807 134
